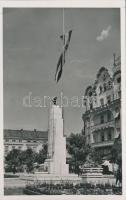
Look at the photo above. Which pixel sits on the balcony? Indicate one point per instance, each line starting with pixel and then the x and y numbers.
pixel 110 124
pixel 102 108
pixel 103 144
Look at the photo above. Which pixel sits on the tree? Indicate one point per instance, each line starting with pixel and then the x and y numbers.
pixel 95 157
pixel 78 150
pixel 28 158
pixel 13 160
pixel 42 155
pixel 116 151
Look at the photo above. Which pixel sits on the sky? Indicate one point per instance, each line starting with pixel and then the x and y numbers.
pixel 31 48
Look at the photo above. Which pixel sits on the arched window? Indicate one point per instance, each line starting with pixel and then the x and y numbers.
pixel 100 89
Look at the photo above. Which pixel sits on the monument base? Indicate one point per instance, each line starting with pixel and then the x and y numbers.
pixel 61 169
pixel 52 178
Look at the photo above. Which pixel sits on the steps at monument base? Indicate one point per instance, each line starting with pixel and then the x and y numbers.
pixel 104 179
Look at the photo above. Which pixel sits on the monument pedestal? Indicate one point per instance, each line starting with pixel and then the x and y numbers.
pixel 56 161
pixel 58 170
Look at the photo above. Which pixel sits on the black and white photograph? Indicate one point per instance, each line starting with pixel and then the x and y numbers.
pixel 62 93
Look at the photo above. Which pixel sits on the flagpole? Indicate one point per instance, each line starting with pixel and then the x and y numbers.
pixel 61 60
pixel 63 63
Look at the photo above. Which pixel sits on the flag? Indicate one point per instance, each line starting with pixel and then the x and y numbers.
pixel 59 68
pixel 61 60
pixel 68 41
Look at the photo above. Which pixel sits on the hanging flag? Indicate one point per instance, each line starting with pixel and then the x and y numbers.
pixel 61 60
pixel 63 37
pixel 59 68
pixel 68 41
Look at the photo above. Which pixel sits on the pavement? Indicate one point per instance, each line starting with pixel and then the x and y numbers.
pixel 14 183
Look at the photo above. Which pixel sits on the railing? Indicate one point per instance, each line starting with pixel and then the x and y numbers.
pixel 103 125
pixel 102 144
pixel 92 170
pixel 105 106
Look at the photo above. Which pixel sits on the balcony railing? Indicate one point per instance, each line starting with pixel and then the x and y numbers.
pixel 103 125
pixel 102 107
pixel 103 144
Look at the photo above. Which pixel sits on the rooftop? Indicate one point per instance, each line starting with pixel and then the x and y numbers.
pixel 25 134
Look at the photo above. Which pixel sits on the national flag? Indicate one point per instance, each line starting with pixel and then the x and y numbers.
pixel 59 68
pixel 63 37
pixel 61 60
pixel 68 41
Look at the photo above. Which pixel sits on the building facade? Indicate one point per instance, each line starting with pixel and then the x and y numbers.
pixel 24 139
pixel 102 123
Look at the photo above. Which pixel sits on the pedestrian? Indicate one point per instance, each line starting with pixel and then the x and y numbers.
pixel 119 177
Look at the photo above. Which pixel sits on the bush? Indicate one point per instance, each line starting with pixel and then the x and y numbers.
pixel 69 189
pixel 10 176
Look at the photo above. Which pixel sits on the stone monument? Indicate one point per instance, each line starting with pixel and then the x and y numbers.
pixel 56 160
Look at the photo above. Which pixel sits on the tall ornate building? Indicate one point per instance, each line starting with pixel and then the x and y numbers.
pixel 102 109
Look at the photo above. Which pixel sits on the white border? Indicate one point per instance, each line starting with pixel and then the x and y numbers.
pixel 74 4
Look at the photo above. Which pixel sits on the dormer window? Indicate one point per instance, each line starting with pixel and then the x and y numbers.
pixel 100 89
pixel 104 77
pixel 119 80
pixel 109 99
pixel 105 87
pixel 90 94
pixel 109 85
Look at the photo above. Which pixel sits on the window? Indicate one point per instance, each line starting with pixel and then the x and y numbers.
pixel 109 99
pixel 100 89
pixel 102 119
pixel 13 140
pixel 34 148
pixel 28 140
pixel 102 102
pixel 20 140
pixel 88 138
pixel 6 140
pixel 119 94
pixel 117 109
pixel 95 138
pixel 109 135
pixel 90 94
pixel 104 77
pixel 6 148
pixel 91 106
pixel 105 87
pixel 109 85
pixel 102 137
pixel 108 116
